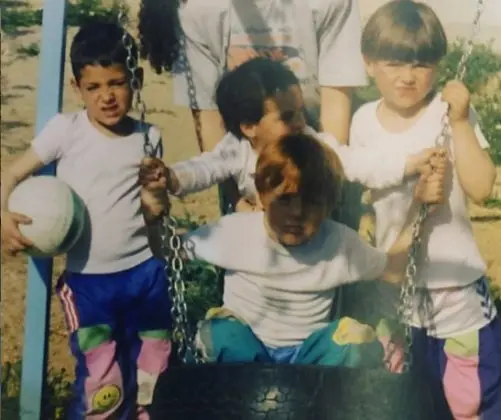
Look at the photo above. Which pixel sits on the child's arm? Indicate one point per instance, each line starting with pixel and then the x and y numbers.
pixel 21 168
pixel 430 190
pixel 195 174
pixel 218 243
pixel 367 262
pixel 475 169
pixel 45 148
pixel 379 166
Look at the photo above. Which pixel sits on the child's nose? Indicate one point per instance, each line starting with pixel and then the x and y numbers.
pixel 296 208
pixel 408 75
pixel 108 96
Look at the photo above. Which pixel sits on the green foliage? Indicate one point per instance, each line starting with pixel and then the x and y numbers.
pixel 202 279
pixel 56 398
pixel 81 11
pixel 493 203
pixel 31 50
pixel 488 108
pixel 482 64
pixel 202 289
pixel 14 18
pixel 77 13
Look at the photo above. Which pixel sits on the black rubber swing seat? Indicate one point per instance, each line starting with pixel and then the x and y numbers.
pixel 288 392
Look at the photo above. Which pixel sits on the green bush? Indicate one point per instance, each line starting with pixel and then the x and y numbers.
pixel 31 50
pixel 56 398
pixel 488 108
pixel 77 13
pixel 482 64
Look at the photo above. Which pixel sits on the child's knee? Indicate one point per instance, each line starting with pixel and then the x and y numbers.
pixel 99 382
pixel 216 335
pixel 359 344
pixel 155 351
pixel 350 331
pixel 153 359
pixel 222 337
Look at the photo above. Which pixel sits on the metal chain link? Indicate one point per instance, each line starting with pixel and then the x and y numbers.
pixel 171 241
pixel 409 286
pixel 132 64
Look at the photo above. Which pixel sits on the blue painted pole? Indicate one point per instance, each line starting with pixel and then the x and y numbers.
pixel 37 314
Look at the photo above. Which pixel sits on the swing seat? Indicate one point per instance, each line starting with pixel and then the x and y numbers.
pixel 288 392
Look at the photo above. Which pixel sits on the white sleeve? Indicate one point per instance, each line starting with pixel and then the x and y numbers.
pixel 49 143
pixel 203 25
pixel 210 242
pixel 377 166
pixel 364 261
pixel 339 33
pixel 210 168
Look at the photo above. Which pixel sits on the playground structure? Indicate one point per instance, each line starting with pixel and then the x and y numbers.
pixel 49 100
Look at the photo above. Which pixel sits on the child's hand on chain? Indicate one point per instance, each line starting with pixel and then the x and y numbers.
pixel 456 94
pixel 153 180
pixel 430 186
pixel 424 161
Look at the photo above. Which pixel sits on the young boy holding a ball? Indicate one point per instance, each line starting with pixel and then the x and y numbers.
pixel 113 291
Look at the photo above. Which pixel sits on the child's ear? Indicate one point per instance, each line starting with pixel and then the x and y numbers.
pixel 369 66
pixel 74 85
pixel 76 88
pixel 249 131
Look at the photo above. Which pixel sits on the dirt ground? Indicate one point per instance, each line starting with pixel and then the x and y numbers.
pixel 18 116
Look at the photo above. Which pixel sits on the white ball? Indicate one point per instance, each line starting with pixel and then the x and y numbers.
pixel 58 214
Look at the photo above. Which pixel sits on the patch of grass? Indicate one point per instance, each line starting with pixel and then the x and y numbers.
pixel 493 203
pixel 56 398
pixel 31 50
pixel 15 18
pixel 77 13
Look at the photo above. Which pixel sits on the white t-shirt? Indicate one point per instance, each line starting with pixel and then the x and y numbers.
pixel 283 293
pixel 103 171
pixel 450 260
pixel 318 39
pixel 235 158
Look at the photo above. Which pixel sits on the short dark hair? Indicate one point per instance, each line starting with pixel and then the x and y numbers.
pixel 100 43
pixel 241 93
pixel 405 31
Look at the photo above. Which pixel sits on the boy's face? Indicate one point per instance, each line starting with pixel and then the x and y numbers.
pixel 283 115
pixel 403 85
pixel 106 93
pixel 292 221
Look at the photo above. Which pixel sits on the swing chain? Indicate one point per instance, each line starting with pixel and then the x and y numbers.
pixel 132 63
pixel 173 244
pixel 409 286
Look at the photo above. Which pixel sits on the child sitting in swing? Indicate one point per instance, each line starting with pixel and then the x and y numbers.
pixel 284 264
pixel 456 328
pixel 260 101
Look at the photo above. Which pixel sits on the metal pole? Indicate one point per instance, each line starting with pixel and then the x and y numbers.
pixel 37 315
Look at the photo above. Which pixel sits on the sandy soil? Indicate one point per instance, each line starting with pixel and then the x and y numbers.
pixel 18 116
